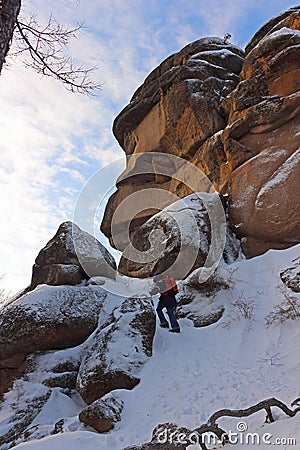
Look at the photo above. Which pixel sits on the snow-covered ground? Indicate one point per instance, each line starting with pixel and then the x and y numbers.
pixel 234 363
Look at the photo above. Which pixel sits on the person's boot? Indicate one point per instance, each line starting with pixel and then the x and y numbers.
pixel 174 330
pixel 164 325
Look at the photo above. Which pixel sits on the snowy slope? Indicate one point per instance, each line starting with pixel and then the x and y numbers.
pixel 234 363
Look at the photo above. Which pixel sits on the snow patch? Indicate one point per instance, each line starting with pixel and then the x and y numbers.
pixel 232 364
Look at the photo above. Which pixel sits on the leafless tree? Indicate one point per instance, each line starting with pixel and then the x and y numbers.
pixel 9 11
pixel 44 48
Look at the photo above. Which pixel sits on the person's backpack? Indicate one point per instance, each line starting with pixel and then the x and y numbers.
pixel 167 286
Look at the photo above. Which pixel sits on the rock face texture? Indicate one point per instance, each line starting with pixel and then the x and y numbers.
pixel 49 318
pixel 176 111
pixel 31 392
pixel 103 414
pixel 45 319
pixel 262 140
pixel 181 236
pixel 118 350
pixel 71 256
pixel 235 117
pixel 9 369
pixel 57 340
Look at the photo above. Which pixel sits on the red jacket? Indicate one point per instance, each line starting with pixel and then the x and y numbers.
pixel 167 286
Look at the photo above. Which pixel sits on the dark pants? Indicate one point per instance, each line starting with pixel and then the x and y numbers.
pixel 171 314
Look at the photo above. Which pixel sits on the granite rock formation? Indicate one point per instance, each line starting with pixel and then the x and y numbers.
pixel 235 117
pixel 71 256
pixel 262 139
pixel 118 350
pixel 103 414
pixel 235 121
pixel 177 111
pixel 181 236
pixel 50 317
pixel 62 339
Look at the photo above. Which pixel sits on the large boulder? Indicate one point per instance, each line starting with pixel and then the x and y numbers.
pixel 177 111
pixel 50 317
pixel 71 256
pixel 262 139
pixel 178 239
pixel 118 349
pixel 54 369
pixel 201 310
pixel 47 318
pixel 102 414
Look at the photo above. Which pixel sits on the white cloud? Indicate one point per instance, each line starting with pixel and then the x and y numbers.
pixel 40 125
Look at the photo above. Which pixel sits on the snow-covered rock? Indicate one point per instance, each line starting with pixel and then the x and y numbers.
pixel 50 317
pixel 176 111
pixel 198 301
pixel 178 239
pixel 118 349
pixel 234 363
pixel 55 369
pixel 47 380
pixel 291 276
pixel 103 414
pixel 21 414
pixel 201 313
pixel 71 256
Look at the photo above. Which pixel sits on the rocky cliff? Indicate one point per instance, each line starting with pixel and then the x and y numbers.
pixel 212 139
pixel 262 140
pixel 234 117
pixel 177 111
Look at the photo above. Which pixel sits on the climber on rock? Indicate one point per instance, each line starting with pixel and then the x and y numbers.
pixel 167 287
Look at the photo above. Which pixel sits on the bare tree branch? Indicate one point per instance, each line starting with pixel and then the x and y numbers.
pixel 181 434
pixel 45 50
pixel 212 426
pixel 265 404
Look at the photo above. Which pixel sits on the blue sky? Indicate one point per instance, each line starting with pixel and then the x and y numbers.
pixel 53 141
